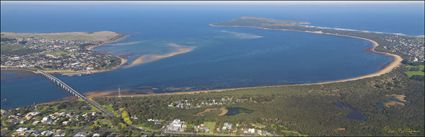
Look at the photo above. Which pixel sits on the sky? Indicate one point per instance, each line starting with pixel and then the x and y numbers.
pixel 218 2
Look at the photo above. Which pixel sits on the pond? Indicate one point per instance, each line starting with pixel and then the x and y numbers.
pixel 237 110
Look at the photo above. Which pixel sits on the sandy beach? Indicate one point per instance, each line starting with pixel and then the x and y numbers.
pixel 111 40
pixel 179 49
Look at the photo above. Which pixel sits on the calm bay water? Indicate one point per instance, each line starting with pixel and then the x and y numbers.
pixel 222 57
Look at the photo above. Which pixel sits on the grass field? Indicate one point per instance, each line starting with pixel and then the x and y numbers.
pixel 59 53
pixel 415 70
pixel 211 126
pixel 9 49
pixel 413 73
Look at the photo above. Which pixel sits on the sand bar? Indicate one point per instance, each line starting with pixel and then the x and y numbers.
pixel 179 49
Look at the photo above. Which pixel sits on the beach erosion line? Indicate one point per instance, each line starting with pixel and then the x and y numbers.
pixel 178 49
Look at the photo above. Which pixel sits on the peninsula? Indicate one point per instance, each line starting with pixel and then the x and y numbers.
pixel 410 48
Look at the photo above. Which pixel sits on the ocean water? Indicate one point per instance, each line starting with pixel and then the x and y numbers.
pixel 222 57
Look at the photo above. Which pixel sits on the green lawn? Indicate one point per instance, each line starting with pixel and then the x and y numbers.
pixel 421 67
pixel 415 70
pixel 59 53
pixel 12 49
pixel 211 126
pixel 412 73
pixel 110 108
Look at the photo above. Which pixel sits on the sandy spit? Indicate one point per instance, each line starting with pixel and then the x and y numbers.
pixel 179 49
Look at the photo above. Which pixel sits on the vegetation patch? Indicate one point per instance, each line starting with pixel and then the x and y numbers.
pixel 210 126
pixel 394 101
pixel 415 71
pixel 125 116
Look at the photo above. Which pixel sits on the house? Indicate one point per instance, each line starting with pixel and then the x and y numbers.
pixel 47 133
pixel 47 120
pixel 35 122
pixel 65 123
pixel 202 127
pixel 30 115
pixel 176 126
pixel 81 134
pixel 249 131
pixel 21 130
pixel 227 126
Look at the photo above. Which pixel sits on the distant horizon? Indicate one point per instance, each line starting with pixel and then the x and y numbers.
pixel 340 3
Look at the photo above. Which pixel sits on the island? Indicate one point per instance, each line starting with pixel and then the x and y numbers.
pixel 64 53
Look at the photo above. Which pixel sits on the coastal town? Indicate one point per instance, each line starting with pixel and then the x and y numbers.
pixel 412 47
pixel 59 55
pixel 64 120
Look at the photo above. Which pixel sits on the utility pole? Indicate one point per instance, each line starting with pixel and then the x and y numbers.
pixel 119 92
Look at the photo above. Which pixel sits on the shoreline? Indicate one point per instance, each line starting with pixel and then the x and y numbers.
pixel 115 39
pixel 396 62
pixel 396 59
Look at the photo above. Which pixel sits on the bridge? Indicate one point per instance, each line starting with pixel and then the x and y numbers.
pixel 69 89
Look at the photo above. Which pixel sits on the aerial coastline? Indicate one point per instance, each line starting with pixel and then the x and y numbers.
pixel 212 69
pixel 396 59
pixel 396 62
pixel 180 49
